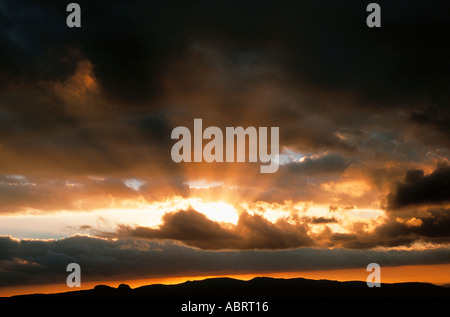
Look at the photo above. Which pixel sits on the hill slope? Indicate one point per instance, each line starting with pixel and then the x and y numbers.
pixel 261 287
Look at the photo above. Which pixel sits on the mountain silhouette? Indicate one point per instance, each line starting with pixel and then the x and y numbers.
pixel 281 296
pixel 261 287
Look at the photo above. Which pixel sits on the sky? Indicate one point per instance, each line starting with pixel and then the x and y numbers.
pixel 86 116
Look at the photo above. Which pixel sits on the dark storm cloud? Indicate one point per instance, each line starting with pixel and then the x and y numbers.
pixel 433 116
pixel 418 188
pixel 251 232
pixel 103 99
pixel 33 48
pixel 67 129
pixel 300 180
pixel 29 262
pixel 431 226
pixel 127 53
pixel 132 46
pixel 330 163
pixel 404 58
pixel 191 227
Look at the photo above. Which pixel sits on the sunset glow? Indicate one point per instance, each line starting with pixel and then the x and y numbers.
pixel 437 274
pixel 158 142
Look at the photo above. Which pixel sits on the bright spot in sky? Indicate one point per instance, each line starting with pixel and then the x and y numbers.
pixel 288 156
pixel 134 183
pixel 199 184
pixel 216 211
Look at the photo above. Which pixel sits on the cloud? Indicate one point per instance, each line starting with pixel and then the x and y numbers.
pixel 85 109
pixel 336 91
pixel 191 227
pixel 431 226
pixel 28 262
pixel 254 232
pixel 318 220
pixel 19 193
pixel 328 163
pixel 251 232
pixel 419 189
